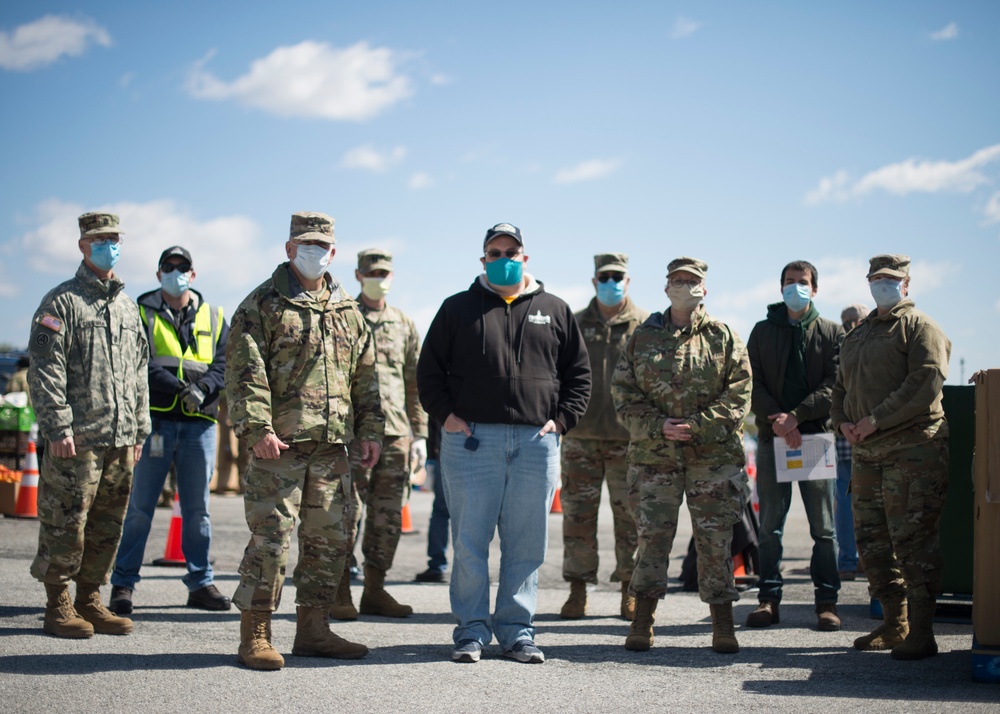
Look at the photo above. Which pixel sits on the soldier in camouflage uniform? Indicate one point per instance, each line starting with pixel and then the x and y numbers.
pixel 594 451
pixel 91 399
pixel 301 385
pixel 887 403
pixel 381 489
pixel 682 387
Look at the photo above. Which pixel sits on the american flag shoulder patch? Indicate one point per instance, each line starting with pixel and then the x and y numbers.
pixel 51 322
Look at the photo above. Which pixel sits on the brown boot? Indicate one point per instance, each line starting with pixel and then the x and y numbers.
pixel 88 604
pixel 576 605
pixel 723 629
pixel 765 615
pixel 61 618
pixel 891 632
pixel 314 639
pixel 919 643
pixel 827 619
pixel 628 602
pixel 343 607
pixel 256 651
pixel 376 601
pixel 640 635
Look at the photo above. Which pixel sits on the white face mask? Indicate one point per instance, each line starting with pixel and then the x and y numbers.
pixel 685 299
pixel 312 260
pixel 376 288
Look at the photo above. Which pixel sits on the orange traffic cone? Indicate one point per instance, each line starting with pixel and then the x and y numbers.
pixel 173 554
pixel 739 569
pixel 556 504
pixel 27 496
pixel 407 520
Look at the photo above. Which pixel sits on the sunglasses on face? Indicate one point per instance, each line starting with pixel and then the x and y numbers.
pixel 171 267
pixel 605 277
pixel 509 253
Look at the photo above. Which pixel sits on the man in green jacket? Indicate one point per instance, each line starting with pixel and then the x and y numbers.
pixel 793 354
pixel 594 451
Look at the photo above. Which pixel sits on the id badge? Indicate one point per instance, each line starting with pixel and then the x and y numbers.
pixel 156 446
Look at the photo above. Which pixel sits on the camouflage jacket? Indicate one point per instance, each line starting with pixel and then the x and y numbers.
pixel 301 368
pixel 892 367
pixel 88 364
pixel 700 374
pixel 605 341
pixel 397 346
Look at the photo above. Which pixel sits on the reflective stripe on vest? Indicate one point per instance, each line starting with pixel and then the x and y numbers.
pixel 187 365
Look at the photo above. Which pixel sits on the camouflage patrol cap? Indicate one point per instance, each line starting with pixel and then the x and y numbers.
pixel 895 266
pixel 95 224
pixel 610 263
pixel 374 259
pixel 312 226
pixel 690 265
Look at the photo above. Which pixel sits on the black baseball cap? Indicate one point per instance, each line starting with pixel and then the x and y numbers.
pixel 503 229
pixel 175 251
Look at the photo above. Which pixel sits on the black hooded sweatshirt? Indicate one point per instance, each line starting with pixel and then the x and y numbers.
pixel 494 363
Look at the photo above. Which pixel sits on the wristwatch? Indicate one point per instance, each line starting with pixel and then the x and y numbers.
pixel 873 421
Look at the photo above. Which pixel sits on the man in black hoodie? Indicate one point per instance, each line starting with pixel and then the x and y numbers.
pixel 504 368
pixel 793 355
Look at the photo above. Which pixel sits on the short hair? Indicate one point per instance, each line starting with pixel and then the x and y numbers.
pixel 802 265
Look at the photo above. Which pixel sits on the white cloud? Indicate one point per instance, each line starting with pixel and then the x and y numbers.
pixel 992 209
pixel 45 40
pixel 421 180
pixel 312 79
pixel 587 170
pixel 441 79
pixel 684 27
pixel 909 176
pixel 126 79
pixel 368 158
pixel 948 32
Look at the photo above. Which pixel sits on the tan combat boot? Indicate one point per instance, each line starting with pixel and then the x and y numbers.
pixel 576 605
pixel 376 601
pixel 314 639
pixel 919 643
pixel 723 629
pixel 628 602
pixel 88 604
pixel 255 650
pixel 61 618
pixel 343 607
pixel 640 635
pixel 891 632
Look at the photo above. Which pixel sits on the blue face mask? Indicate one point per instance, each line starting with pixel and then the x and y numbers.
pixel 105 254
pixel 611 293
pixel 886 292
pixel 175 282
pixel 505 271
pixel 796 296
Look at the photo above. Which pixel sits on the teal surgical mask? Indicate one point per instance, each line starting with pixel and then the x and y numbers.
pixel 886 292
pixel 505 271
pixel 175 282
pixel 611 293
pixel 796 296
pixel 105 254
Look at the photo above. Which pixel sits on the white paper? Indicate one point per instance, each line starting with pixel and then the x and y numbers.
pixel 815 460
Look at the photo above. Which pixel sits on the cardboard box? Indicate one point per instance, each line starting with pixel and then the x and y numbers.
pixel 986 513
pixel 8 498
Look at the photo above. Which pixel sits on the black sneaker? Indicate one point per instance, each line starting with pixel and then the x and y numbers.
pixel 525 651
pixel 430 576
pixel 121 600
pixel 208 598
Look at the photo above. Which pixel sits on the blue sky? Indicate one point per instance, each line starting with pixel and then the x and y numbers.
pixel 745 134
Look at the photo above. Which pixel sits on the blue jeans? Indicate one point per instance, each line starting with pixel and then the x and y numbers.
pixel 847 558
pixel 190 446
pixel 775 500
pixel 437 531
pixel 506 486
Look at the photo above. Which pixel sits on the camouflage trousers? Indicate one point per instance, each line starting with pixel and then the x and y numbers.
pixel 714 499
pixel 380 491
pixel 81 509
pixel 586 465
pixel 311 483
pixel 897 495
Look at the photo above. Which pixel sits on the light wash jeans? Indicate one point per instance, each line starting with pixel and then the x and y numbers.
pixel 437 531
pixel 190 446
pixel 505 485
pixel 775 500
pixel 847 557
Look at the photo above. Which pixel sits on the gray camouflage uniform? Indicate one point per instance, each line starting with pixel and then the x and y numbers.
pixel 88 381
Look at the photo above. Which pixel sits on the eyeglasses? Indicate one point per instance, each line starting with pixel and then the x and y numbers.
pixel 678 283
pixel 509 253
pixel 112 238
pixel 605 277
pixel 171 267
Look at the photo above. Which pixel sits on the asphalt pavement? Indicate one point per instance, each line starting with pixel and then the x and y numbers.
pixel 181 659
